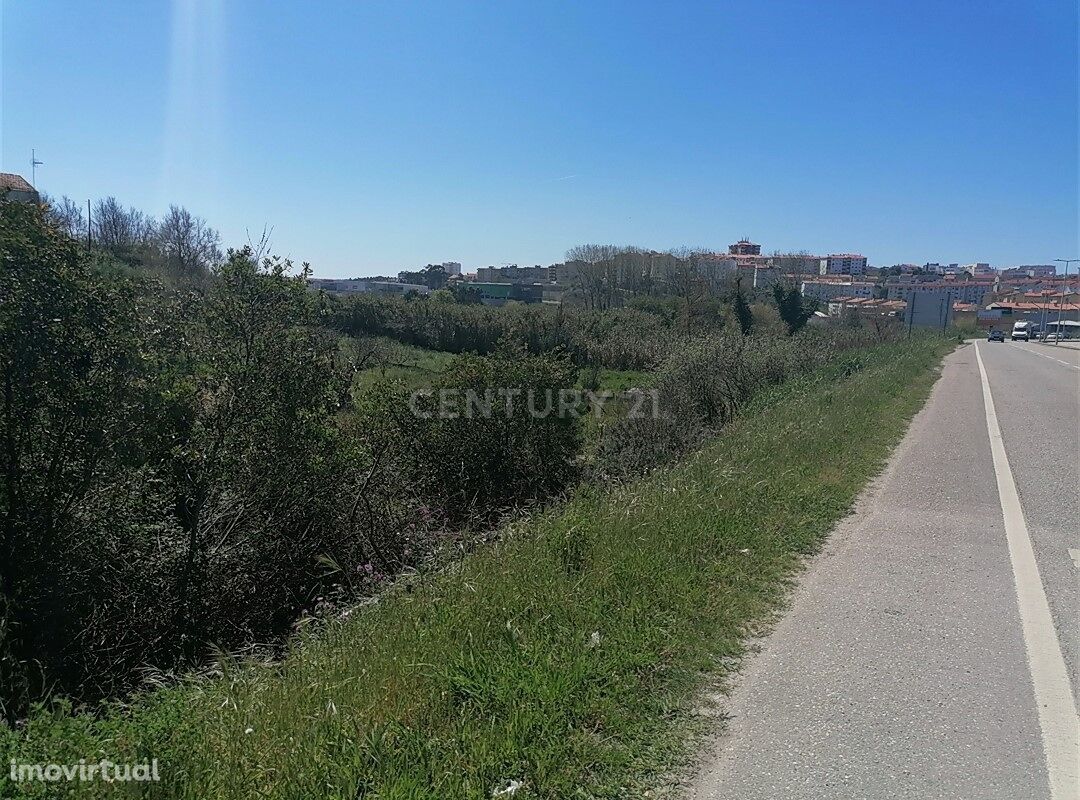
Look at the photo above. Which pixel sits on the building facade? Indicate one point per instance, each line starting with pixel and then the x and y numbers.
pixel 962 291
pixel 363 286
pixel 794 263
pixel 515 274
pixel 843 264
pixel 978 268
pixel 827 290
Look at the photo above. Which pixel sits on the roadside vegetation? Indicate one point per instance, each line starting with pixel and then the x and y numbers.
pixel 565 656
pixel 238 532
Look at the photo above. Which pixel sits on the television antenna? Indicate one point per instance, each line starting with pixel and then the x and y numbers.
pixel 34 164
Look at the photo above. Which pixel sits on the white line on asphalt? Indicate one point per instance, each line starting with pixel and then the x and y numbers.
pixel 1074 554
pixel 1057 709
pixel 1044 355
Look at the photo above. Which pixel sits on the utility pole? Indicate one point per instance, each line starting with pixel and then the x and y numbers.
pixel 88 225
pixel 34 164
pixel 1061 300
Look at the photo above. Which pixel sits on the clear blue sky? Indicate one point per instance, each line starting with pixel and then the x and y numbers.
pixel 377 136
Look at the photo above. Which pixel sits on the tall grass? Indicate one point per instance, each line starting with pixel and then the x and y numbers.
pixel 566 656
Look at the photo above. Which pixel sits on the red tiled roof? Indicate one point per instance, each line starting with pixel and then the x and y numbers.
pixel 10 182
pixel 1051 306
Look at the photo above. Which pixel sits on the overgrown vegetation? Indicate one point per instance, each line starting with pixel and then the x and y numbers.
pixel 625 338
pixel 190 467
pixel 207 464
pixel 565 656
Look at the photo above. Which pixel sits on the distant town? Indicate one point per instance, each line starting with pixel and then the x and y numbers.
pixel 841 283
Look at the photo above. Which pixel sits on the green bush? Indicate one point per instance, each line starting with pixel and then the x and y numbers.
pixel 173 473
pixel 702 385
pixel 485 436
pixel 619 339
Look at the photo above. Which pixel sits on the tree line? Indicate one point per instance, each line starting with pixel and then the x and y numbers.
pixel 180 243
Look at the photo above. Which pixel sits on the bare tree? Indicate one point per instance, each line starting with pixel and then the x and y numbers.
pixel 593 253
pixel 66 214
pixel 261 248
pixel 795 263
pixel 120 230
pixel 596 276
pixel 187 242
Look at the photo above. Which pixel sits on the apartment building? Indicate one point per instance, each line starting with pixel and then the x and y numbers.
pixel 978 269
pixel 941 269
pixel 827 290
pixel 843 264
pixel 744 247
pixel 514 274
pixel 962 291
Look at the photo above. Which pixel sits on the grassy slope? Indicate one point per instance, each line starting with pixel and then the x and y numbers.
pixel 567 656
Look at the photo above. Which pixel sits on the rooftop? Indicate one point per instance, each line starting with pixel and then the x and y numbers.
pixel 10 182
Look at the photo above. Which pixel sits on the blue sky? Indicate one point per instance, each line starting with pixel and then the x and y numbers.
pixel 379 136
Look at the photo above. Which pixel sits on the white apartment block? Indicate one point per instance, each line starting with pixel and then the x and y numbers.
pixel 941 269
pixel 843 264
pixel 962 291
pixel 980 268
pixel 827 290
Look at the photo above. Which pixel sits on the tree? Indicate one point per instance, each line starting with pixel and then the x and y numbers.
pixel 118 230
pixel 259 446
pixel 65 214
pixel 743 314
pixel 465 295
pixel 789 302
pixel 72 414
pixel 433 276
pixel 189 245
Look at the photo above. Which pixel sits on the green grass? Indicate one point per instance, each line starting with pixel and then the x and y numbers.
pixel 615 380
pixel 568 655
pixel 413 366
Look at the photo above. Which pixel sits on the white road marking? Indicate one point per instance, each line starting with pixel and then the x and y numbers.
pixel 1074 554
pixel 1057 709
pixel 1044 355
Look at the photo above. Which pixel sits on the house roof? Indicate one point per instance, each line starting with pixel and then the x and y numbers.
pixel 10 182
pixel 1051 306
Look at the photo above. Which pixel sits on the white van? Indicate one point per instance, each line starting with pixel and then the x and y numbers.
pixel 1021 330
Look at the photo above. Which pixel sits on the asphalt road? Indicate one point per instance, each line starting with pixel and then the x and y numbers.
pixel 916 659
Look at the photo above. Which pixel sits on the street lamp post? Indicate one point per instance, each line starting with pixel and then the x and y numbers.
pixel 1064 286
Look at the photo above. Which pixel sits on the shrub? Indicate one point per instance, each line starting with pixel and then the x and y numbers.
pixel 172 471
pixel 618 339
pixel 486 436
pixel 705 382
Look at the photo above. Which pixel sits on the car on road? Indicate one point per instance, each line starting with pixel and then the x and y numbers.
pixel 1054 336
pixel 1021 331
pixel 996 336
